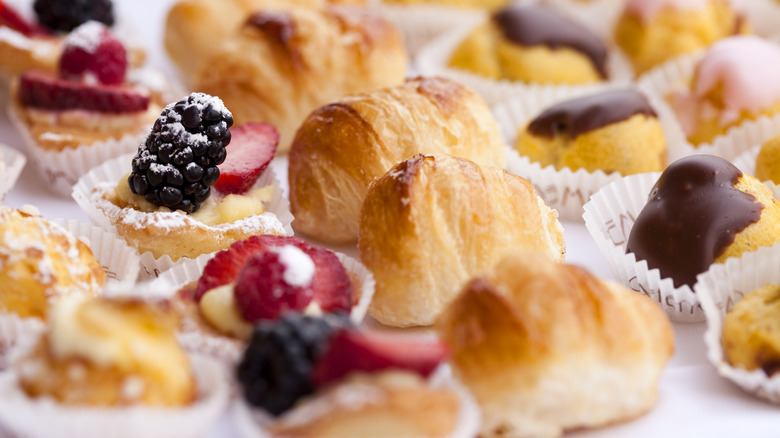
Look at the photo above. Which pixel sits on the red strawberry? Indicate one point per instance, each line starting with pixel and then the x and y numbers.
pixel 332 285
pixel 251 149
pixel 274 282
pixel 92 48
pixel 10 18
pixel 354 350
pixel 38 90
pixel 224 267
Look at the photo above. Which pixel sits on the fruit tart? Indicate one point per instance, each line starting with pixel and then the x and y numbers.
pixel 109 366
pixel 86 113
pixel 264 277
pixel 313 376
pixel 185 193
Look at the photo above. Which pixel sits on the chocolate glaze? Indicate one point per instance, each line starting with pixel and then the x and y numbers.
pixel 535 25
pixel 691 217
pixel 578 116
pixel 278 25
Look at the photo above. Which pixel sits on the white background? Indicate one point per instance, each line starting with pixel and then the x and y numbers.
pixel 694 401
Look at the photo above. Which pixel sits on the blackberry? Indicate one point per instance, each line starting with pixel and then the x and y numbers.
pixel 276 367
pixel 176 165
pixel 66 15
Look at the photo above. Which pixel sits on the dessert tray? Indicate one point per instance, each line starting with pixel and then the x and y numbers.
pixel 693 399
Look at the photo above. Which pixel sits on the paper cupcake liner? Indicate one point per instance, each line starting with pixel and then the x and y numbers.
pixel 433 59
pixel 719 289
pixel 16 332
pixel 609 217
pixel 23 415
pixel 565 190
pixel 600 16
pixel 11 164
pixel 152 267
pixel 250 422
pixel 746 162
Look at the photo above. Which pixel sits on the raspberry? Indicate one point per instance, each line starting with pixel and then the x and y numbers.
pixel 177 164
pixel 66 15
pixel 39 90
pixel 92 48
pixel 276 368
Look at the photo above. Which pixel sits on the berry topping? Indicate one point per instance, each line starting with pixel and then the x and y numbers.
pixel 274 282
pixel 66 15
pixel 276 368
pixel 331 285
pixel 91 48
pixel 353 350
pixel 251 150
pixel 38 90
pixel 177 164
pixel 10 18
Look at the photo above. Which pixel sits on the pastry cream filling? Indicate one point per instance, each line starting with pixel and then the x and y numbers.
pixel 217 209
pixel 70 338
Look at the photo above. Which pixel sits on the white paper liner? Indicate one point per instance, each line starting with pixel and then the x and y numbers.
pixel 44 418
pixel 675 74
pixel 600 16
pixel 433 59
pixel 719 289
pixel 250 421
pixel 11 166
pixel 227 348
pixel 566 190
pixel 609 217
pixel 16 332
pixel 151 267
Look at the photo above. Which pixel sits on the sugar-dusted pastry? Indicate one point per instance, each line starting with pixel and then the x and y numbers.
pixel 733 82
pixel 187 193
pixel 40 262
pixel 532 44
pixel 652 31
pixel 751 331
pixel 433 221
pixel 768 161
pixel 109 352
pixel 471 4
pixel 279 65
pixel 613 131
pixel 321 377
pixel 702 210
pixel 343 146
pixel 547 348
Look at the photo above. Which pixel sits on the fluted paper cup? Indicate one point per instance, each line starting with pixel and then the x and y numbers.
pixel 600 16
pixel 11 164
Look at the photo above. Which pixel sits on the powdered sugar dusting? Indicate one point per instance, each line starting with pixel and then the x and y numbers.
pixel 300 267
pixel 87 36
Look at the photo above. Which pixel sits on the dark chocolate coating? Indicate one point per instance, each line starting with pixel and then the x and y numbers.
pixel 691 217
pixel 578 116
pixel 536 25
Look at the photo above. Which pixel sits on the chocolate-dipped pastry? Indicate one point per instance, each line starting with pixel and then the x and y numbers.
pixel 574 117
pixel 701 210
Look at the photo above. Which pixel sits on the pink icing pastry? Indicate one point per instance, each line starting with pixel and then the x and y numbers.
pixel 746 67
pixel 646 10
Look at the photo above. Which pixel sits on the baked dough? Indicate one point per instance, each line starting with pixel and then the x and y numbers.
pixel 277 66
pixel 473 4
pixel 546 347
pixel 433 221
pixel 751 331
pixel 343 146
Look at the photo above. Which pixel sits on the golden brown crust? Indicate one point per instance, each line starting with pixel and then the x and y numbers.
pixel 342 147
pixel 432 222
pixel 751 331
pixel 534 340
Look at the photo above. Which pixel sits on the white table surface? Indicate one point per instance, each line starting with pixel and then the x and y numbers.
pixel 694 401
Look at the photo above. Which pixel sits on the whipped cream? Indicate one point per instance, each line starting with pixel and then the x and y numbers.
pixel 299 266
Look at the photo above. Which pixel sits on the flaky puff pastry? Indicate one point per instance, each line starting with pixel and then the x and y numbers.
pixel 546 347
pixel 432 222
pixel 281 65
pixel 342 147
pixel 41 261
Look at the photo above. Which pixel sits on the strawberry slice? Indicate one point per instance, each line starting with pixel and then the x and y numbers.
pixel 10 18
pixel 354 350
pixel 38 90
pixel 251 149
pixel 92 48
pixel 224 267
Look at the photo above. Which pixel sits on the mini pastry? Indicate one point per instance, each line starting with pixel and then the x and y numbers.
pixel 278 66
pixel 166 204
pixel 614 131
pixel 535 341
pixel 433 221
pixel 701 211
pixel 733 82
pixel 320 378
pixel 768 161
pixel 751 331
pixel 103 352
pixel 532 44
pixel 40 262
pixel 652 31
pixel 471 4
pixel 343 146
